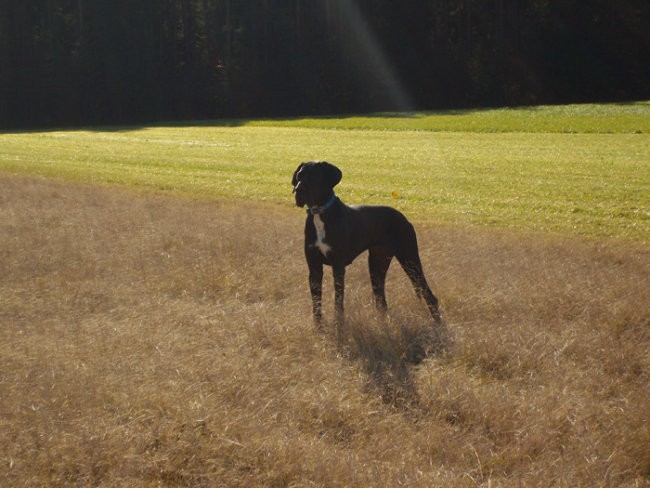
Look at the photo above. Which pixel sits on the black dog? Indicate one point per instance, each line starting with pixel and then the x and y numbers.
pixel 335 234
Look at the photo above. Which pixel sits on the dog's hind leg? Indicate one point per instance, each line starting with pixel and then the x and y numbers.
pixel 379 259
pixel 415 273
pixel 413 269
pixel 409 258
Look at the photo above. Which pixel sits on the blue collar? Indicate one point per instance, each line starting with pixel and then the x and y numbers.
pixel 322 209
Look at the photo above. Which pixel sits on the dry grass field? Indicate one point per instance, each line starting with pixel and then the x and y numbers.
pixel 151 340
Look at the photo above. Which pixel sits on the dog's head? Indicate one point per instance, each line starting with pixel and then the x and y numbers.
pixel 313 182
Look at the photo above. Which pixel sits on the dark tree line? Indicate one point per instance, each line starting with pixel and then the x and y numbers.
pixel 127 61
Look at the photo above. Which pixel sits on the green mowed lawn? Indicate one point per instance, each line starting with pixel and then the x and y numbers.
pixel 575 169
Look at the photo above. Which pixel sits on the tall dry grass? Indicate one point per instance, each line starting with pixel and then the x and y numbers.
pixel 156 341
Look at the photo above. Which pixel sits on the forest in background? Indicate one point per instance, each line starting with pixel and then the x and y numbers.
pixel 75 62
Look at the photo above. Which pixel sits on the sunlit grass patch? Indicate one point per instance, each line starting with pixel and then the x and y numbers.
pixel 592 183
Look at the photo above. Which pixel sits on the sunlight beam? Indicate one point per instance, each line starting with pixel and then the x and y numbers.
pixel 372 66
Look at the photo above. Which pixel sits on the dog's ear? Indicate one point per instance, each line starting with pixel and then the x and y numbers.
pixel 294 180
pixel 332 174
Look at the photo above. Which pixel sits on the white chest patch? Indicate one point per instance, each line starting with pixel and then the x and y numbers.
pixel 320 236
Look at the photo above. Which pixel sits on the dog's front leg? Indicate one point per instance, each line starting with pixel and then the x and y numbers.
pixel 316 289
pixel 339 294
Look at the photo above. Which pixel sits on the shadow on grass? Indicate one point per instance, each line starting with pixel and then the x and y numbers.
pixel 293 120
pixel 299 120
pixel 388 350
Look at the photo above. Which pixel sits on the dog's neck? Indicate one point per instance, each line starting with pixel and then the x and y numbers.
pixel 319 210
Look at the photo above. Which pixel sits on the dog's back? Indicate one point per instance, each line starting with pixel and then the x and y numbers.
pixel 382 226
